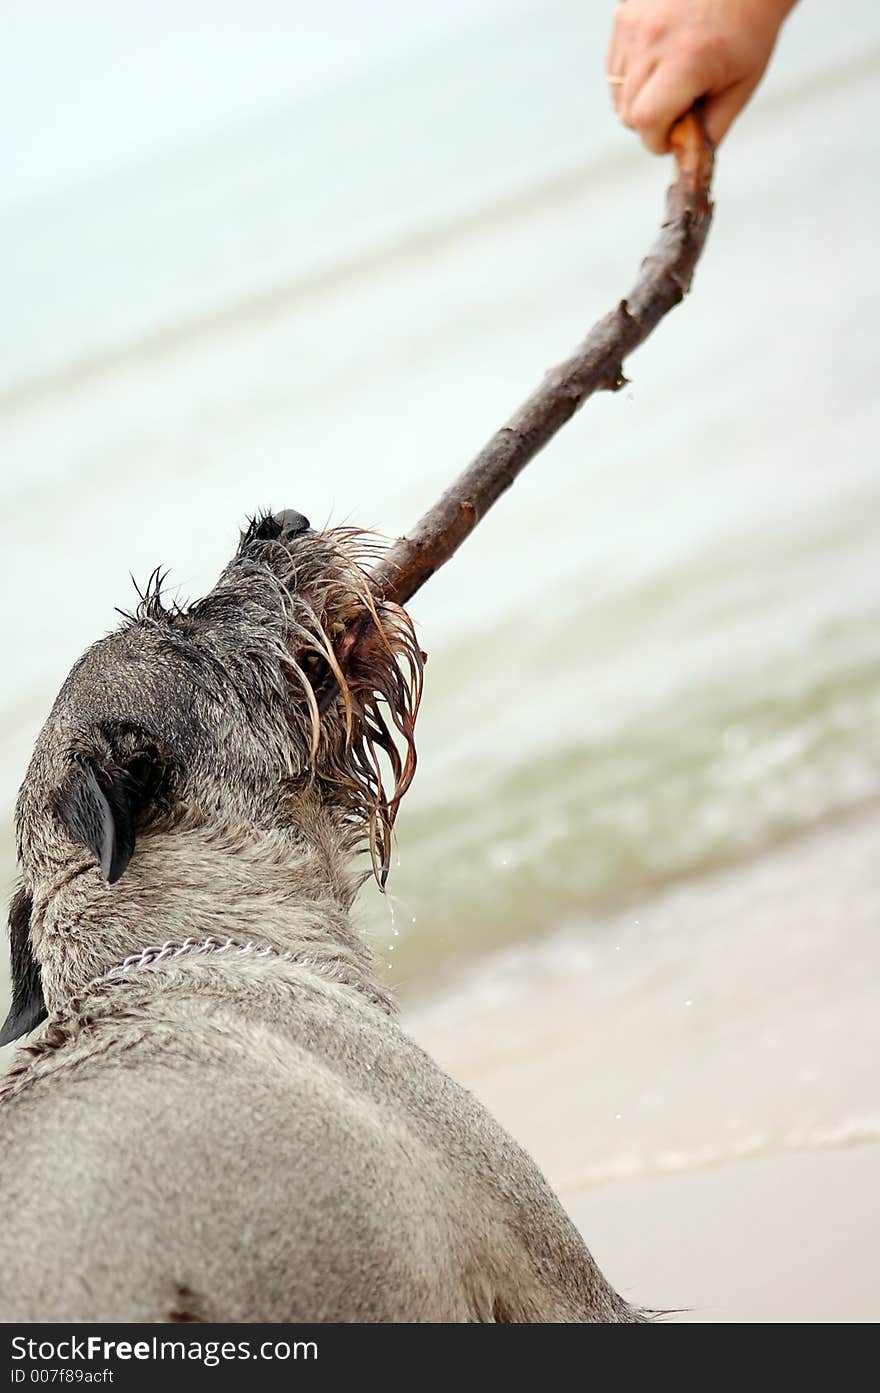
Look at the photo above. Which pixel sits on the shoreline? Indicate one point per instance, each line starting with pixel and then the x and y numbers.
pixel 720 1246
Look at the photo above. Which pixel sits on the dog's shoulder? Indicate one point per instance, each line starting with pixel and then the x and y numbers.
pixel 246 1016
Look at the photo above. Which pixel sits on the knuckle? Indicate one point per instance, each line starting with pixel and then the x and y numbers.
pixel 710 56
pixel 653 31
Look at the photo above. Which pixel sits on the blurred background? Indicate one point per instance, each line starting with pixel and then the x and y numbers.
pixel 279 255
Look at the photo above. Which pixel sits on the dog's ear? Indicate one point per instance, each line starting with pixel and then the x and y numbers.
pixel 28 1007
pixel 98 807
pixel 101 806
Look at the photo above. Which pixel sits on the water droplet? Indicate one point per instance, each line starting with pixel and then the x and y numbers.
pixel 618 1116
pixel 688 1002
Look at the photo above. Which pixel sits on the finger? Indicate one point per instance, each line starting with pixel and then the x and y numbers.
pixel 615 57
pixel 638 75
pixel 669 92
pixel 720 112
pixel 615 64
pixel 615 90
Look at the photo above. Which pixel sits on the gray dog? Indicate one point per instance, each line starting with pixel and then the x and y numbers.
pixel 221 1119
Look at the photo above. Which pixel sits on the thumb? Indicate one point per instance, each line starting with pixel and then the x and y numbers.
pixel 720 112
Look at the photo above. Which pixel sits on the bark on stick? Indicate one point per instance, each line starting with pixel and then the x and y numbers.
pixel 597 365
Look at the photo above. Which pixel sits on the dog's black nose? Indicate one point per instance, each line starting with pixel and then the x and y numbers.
pixel 278 527
pixel 290 523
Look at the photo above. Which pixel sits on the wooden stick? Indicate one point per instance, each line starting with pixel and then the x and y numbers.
pixel 664 279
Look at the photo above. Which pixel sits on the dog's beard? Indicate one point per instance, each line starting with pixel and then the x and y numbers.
pixel 357 669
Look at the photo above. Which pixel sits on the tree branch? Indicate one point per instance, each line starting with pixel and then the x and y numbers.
pixel 597 365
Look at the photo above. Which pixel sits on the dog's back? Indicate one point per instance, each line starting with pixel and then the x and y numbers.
pixel 235 1128
pixel 244 1141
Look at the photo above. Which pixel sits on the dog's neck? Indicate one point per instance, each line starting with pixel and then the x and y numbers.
pixel 292 894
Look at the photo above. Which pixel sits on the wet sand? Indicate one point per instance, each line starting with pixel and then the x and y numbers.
pixel 783 1238
pixel 718 1152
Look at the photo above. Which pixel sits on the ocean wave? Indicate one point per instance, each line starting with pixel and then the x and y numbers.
pixel 858 1131
pixel 717 775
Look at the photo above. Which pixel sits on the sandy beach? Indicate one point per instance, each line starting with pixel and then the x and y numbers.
pixel 779 1239
pixel 716 1156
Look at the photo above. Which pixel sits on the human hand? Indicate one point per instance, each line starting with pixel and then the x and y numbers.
pixel 666 54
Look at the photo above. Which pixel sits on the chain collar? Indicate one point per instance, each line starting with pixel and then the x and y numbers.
pixel 170 949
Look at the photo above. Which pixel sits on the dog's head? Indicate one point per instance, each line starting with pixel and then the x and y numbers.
pixel 289 679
